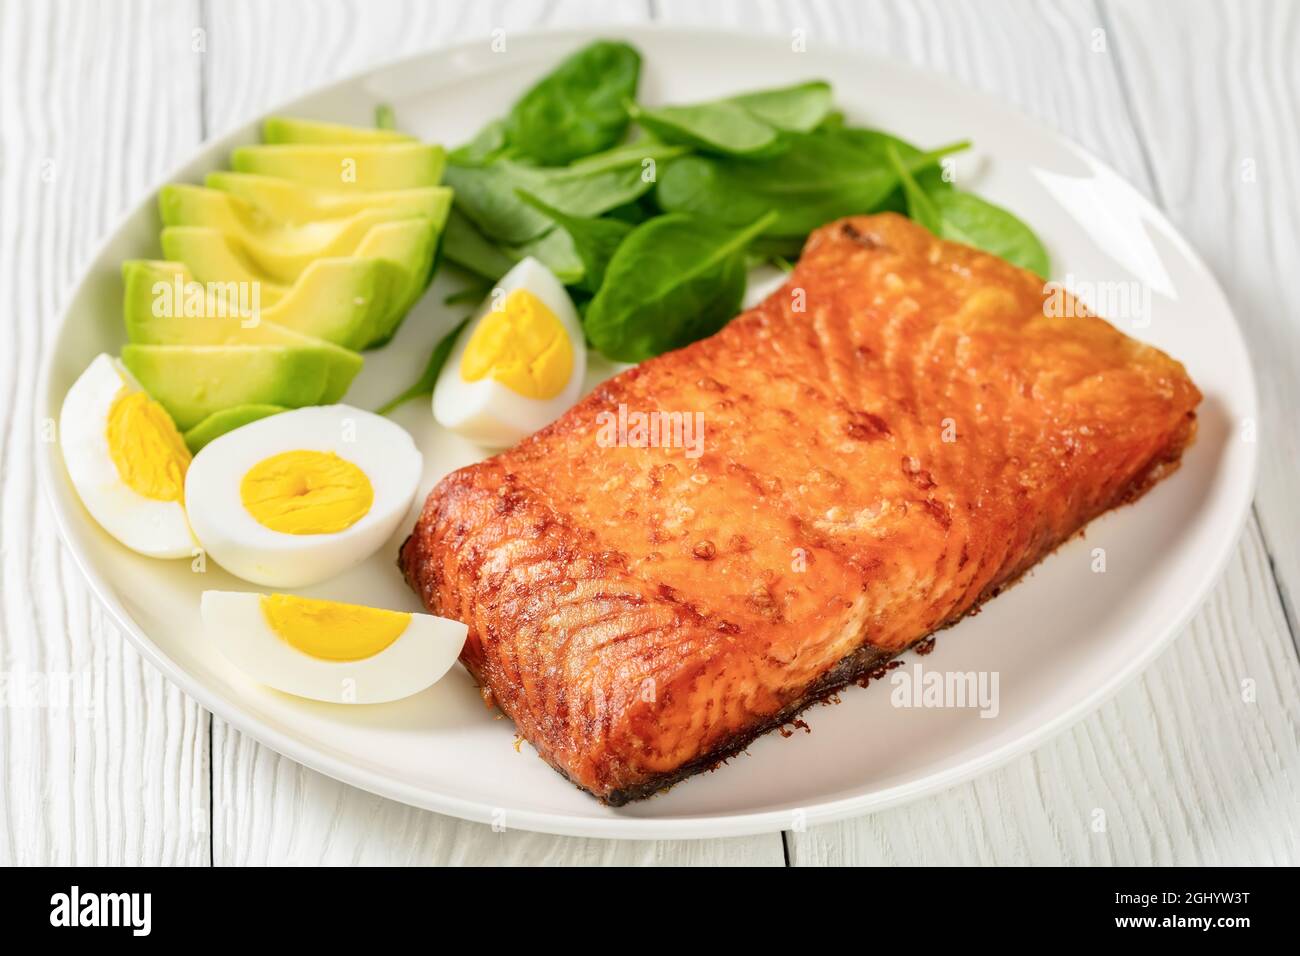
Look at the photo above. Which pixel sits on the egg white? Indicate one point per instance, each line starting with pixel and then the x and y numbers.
pixel 486 411
pixel 245 547
pixel 420 656
pixel 155 528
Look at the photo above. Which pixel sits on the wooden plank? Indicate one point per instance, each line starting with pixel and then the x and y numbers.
pixel 95 104
pixel 268 809
pixel 265 53
pixel 271 810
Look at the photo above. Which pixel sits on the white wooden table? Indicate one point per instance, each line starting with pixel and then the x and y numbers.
pixel 1198 104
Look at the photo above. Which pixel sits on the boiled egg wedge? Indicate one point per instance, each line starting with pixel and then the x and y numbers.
pixel 302 496
pixel 517 365
pixel 326 650
pixel 127 461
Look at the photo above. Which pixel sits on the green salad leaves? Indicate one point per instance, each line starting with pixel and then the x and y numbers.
pixel 578 108
pixel 963 217
pixel 749 125
pixel 673 280
pixel 654 230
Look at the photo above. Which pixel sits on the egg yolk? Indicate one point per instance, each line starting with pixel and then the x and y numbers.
pixel 523 346
pixel 330 630
pixel 306 492
pixel 147 450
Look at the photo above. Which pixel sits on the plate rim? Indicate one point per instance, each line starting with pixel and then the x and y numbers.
pixel 635 828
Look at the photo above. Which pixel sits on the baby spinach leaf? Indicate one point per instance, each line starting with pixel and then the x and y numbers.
pixel 673 280
pixel 594 240
pixel 747 125
pixel 486 194
pixel 578 108
pixel 488 144
pixel 636 212
pixel 638 153
pixel 554 247
pixel 833 120
pixel 963 217
pixel 602 182
pixel 920 207
pixel 822 176
pixel 797 109
pixel 777 247
pixel 470 295
pixel 722 126
pixel 555 250
pixel 968 218
pixel 468 248
pixel 429 377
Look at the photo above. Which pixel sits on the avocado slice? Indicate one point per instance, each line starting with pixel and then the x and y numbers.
pixel 412 245
pixel 286 202
pixel 145 328
pixel 407 244
pixel 212 256
pixel 329 291
pixel 288 129
pixel 344 301
pixel 283 252
pixel 194 381
pixel 346 166
pixel 227 420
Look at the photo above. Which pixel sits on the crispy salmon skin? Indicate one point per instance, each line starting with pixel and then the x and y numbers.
pixel 890 437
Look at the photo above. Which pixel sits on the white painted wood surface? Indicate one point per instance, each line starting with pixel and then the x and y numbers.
pixel 97 101
pixel 95 105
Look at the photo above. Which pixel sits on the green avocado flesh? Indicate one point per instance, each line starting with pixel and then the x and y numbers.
pixel 280 250
pixel 144 327
pixel 285 201
pixel 278 272
pixel 224 236
pixel 344 301
pixel 227 420
pixel 287 129
pixel 194 381
pixel 347 166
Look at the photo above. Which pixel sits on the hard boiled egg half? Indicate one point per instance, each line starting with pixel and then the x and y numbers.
pixel 325 650
pixel 517 365
pixel 127 461
pixel 302 496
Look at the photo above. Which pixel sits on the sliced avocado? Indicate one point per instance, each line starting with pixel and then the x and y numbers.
pixel 287 129
pixel 383 281
pixel 212 256
pixel 282 252
pixel 348 166
pixel 287 202
pixel 194 381
pixel 412 245
pixel 344 301
pixel 145 328
pixel 227 420
pixel 407 244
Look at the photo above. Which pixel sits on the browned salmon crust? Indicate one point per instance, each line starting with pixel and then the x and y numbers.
pixel 889 439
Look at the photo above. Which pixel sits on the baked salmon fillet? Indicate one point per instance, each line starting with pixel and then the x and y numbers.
pixel 899 431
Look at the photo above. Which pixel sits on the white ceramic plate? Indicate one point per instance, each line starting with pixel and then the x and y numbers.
pixel 1060 642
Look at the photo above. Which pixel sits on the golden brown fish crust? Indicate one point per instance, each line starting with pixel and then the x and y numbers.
pixel 898 432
